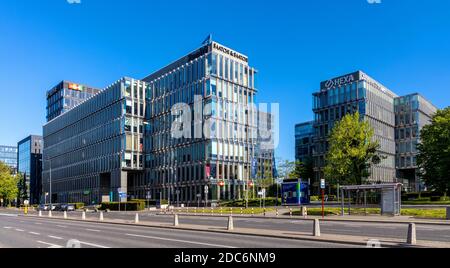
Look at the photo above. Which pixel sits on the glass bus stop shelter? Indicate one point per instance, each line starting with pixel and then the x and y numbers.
pixel 389 197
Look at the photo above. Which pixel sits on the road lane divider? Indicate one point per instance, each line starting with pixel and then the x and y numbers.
pixel 180 241
pixel 50 244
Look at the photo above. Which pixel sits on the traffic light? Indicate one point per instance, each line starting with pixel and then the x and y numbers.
pixel 221 183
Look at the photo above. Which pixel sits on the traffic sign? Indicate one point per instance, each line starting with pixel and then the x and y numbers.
pixel 322 184
pixel 206 189
pixel 26 202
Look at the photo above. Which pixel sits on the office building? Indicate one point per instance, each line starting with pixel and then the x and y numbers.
pixel 396 120
pixel 8 155
pixel 356 92
pixel 29 164
pixel 304 141
pixel 217 165
pixel 92 151
pixel 412 113
pixel 185 133
pixel 65 96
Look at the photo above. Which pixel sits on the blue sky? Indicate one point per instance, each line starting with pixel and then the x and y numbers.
pixel 404 44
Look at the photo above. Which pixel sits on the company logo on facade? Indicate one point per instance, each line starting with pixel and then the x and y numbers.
pixel 75 87
pixel 340 81
pixel 229 52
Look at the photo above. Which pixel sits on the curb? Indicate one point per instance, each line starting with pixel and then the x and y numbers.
pixel 312 219
pixel 311 239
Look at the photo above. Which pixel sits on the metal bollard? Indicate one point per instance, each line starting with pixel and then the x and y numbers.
pixel 40 213
pixel 290 212
pixel 65 215
pixel 304 212
pixel 83 215
pixel 242 211
pixel 50 213
pixel 278 214
pixel 175 220
pixel 412 237
pixel 231 211
pixel 264 212
pixel 212 211
pixel 253 212
pixel 136 218
pixel 316 230
pixel 101 216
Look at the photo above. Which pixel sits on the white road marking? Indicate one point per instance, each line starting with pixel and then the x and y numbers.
pixel 38 223
pixel 49 244
pixel 20 230
pixel 61 226
pixel 56 237
pixel 33 233
pixel 7 228
pixel 180 241
pixel 9 215
pixel 92 230
pixel 92 245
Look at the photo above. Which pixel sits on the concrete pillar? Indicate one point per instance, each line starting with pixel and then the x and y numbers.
pixel 316 230
pixel 83 216
pixel 101 216
pixel 412 237
pixel 175 220
pixel 50 213
pixel 40 213
pixel 65 214
pixel 136 219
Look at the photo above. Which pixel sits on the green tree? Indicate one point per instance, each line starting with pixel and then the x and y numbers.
pixel 434 152
pixel 22 188
pixel 303 170
pixel 352 151
pixel 285 168
pixel 8 184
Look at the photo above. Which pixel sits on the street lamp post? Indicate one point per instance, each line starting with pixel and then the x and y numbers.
pixel 50 182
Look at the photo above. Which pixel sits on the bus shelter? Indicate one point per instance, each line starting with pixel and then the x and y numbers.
pixel 388 197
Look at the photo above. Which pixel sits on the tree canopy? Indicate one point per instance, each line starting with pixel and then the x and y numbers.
pixel 352 151
pixel 434 152
pixel 8 183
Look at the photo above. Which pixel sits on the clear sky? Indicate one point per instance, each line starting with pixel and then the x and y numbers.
pixel 404 44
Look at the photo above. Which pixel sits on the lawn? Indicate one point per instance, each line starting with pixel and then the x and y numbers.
pixel 224 211
pixel 438 213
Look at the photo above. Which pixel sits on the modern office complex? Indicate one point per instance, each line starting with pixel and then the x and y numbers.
pixel 186 133
pixel 65 96
pixel 8 155
pixel 396 121
pixel 412 113
pixel 29 164
pixel 304 144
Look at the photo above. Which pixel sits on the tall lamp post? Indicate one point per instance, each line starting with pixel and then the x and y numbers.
pixel 50 182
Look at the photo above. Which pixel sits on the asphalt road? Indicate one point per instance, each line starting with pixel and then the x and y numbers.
pixel 22 232
pixel 438 233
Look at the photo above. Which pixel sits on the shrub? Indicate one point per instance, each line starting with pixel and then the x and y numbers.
pixel 128 206
pixel 314 198
pixel 435 198
pixel 78 205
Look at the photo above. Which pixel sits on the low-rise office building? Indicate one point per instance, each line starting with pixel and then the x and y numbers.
pixel 8 155
pixel 29 164
pixel 304 141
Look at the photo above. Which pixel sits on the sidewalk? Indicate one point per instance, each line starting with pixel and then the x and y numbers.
pixel 327 238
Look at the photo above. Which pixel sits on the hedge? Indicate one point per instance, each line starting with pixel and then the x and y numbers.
pixel 78 205
pixel 128 206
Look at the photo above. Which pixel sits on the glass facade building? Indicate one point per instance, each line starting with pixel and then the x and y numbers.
pixel 226 85
pixel 65 96
pixel 356 92
pixel 8 155
pixel 29 159
pixel 304 141
pixel 127 136
pixel 92 151
pixel 412 113
pixel 396 121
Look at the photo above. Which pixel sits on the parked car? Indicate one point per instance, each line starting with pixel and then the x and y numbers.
pixel 43 207
pixel 67 207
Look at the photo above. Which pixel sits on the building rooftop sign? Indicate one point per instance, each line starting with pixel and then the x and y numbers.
pixel 232 53
pixel 339 81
